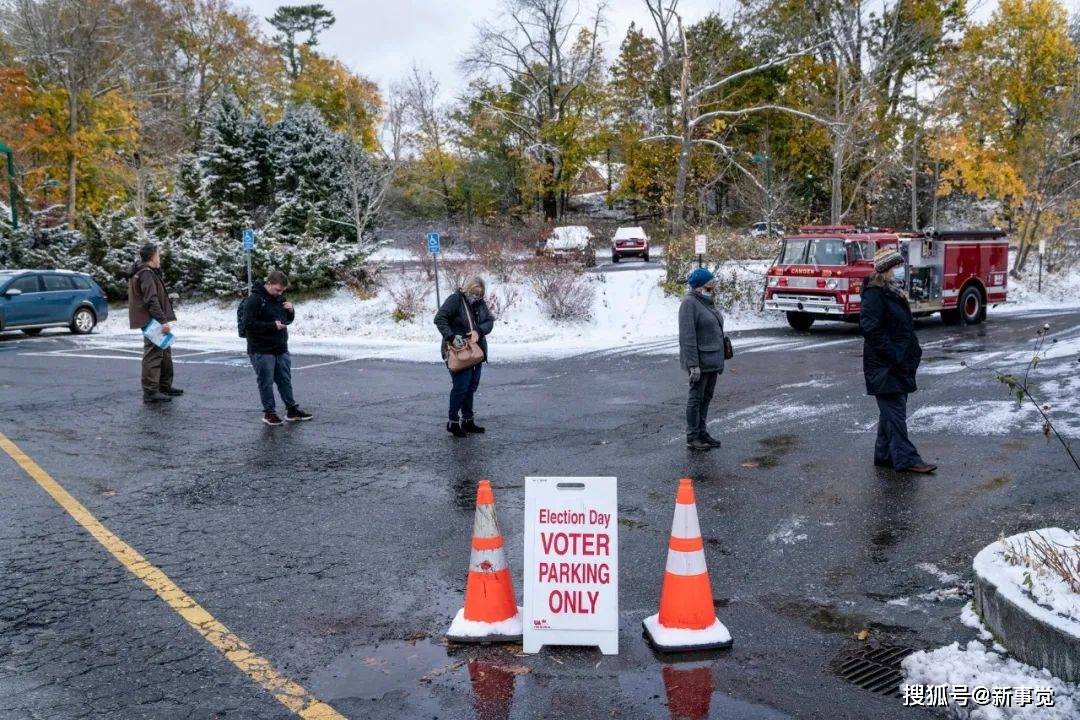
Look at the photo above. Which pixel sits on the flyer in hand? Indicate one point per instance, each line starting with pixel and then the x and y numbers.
pixel 155 334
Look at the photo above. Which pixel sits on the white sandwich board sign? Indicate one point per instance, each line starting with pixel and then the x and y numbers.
pixel 571 563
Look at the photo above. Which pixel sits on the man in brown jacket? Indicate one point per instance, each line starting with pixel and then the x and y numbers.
pixel 148 300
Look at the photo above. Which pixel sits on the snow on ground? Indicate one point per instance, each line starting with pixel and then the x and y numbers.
pixel 1043 595
pixel 973 665
pixel 1055 602
pixel 629 312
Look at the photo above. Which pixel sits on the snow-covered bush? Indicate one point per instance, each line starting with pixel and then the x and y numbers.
pixel 564 292
pixel 408 296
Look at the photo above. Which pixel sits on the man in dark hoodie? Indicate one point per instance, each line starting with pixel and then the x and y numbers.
pixel 148 300
pixel 266 316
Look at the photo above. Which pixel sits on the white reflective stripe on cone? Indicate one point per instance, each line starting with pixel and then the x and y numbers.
pixel 484 523
pixel 685 525
pixel 490 560
pixel 685 563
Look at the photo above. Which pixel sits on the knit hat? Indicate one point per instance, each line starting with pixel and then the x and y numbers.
pixel 699 277
pixel 887 257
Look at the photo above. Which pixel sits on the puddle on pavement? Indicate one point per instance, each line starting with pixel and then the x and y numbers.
pixel 370 672
pixel 774 448
pixel 689 691
pixel 824 617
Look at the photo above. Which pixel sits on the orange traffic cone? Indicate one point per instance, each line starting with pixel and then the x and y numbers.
pixel 686 620
pixel 490 613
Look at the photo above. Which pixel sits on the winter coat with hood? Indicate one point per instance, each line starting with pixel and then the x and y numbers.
pixel 261 311
pixel 147 297
pixel 452 320
pixel 701 334
pixel 891 351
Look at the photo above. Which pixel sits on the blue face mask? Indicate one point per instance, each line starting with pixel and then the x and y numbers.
pixel 900 274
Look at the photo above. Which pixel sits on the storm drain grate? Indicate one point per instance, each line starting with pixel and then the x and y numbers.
pixel 876 669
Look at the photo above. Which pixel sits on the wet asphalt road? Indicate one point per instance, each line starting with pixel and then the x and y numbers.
pixel 337 549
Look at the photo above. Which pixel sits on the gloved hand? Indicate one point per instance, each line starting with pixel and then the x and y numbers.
pixel 458 342
pixel 695 374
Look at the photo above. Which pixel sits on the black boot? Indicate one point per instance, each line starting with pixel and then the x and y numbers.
pixel 698 444
pixel 454 428
pixel 156 398
pixel 470 426
pixel 710 440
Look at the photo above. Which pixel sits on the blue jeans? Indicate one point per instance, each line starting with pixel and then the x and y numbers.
pixel 273 370
pixel 462 391
pixel 893 447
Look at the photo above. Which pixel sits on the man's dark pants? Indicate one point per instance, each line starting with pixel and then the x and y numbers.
pixel 273 370
pixel 464 387
pixel 893 447
pixel 697 405
pixel 157 368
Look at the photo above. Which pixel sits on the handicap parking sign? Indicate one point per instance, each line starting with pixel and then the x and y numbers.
pixel 249 239
pixel 433 242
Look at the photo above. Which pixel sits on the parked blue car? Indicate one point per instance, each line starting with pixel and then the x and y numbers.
pixel 32 300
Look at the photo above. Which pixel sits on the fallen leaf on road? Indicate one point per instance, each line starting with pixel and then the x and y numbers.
pixel 862 634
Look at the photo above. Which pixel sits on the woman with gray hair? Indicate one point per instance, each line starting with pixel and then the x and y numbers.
pixel 464 318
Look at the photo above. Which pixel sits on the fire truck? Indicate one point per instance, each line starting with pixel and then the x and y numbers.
pixel 819 273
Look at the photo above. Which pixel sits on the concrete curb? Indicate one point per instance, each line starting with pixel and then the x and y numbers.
pixel 1028 638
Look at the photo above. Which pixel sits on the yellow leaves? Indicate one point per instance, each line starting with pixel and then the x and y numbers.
pixel 349 103
pixel 977 169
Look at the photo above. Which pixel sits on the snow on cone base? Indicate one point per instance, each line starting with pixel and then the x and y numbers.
pixel 474 631
pixel 490 613
pixel 714 637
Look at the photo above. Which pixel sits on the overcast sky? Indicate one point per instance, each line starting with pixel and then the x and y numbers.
pixel 382 39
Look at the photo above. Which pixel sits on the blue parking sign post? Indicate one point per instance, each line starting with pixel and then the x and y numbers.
pixel 434 246
pixel 249 245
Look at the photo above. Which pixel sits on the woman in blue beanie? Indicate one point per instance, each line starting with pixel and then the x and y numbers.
pixel 701 354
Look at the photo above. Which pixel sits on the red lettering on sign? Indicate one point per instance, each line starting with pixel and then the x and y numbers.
pixel 578 602
pixel 563 543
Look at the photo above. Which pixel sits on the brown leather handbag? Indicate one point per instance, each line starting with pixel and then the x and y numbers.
pixel 469 355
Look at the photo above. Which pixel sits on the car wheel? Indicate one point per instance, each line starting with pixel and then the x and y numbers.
pixel 32 331
pixel 614 258
pixel 799 321
pixel 83 321
pixel 645 257
pixel 971 306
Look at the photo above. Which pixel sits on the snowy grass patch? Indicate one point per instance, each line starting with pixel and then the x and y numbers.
pixel 1041 566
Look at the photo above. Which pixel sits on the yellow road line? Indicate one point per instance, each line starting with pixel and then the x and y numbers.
pixel 235 650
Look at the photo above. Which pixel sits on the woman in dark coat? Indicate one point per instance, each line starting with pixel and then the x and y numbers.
pixel 891 355
pixel 454 326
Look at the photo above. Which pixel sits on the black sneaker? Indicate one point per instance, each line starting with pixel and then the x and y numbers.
pixel 173 392
pixel 271 418
pixel 710 440
pixel 470 426
pixel 156 398
pixel 454 428
pixel 698 445
pixel 296 415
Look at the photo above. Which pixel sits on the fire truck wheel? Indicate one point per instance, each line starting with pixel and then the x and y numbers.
pixel 799 321
pixel 950 317
pixel 971 306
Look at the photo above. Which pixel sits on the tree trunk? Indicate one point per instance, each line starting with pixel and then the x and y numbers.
pixel 677 208
pixel 1027 241
pixel 836 201
pixel 73 129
